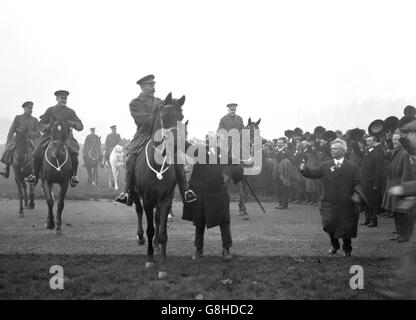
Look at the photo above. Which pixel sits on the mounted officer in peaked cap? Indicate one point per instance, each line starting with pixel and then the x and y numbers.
pixel 20 123
pixel 59 112
pixel 111 141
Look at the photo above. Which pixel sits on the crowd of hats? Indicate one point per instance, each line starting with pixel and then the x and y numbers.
pixel 376 128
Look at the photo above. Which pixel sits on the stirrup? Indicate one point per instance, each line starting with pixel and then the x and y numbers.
pixel 74 181
pixel 190 196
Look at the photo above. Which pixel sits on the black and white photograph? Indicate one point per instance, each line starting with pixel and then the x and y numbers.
pixel 209 155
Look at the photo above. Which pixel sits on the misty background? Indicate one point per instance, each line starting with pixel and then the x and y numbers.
pixel 339 64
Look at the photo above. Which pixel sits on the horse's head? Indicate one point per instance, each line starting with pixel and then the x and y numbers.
pixel 251 125
pixel 22 143
pixel 168 114
pixel 59 136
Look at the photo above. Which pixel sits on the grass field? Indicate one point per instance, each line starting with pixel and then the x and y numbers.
pixel 277 255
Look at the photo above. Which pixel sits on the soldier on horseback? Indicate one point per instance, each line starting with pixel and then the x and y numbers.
pixel 89 142
pixel 142 110
pixel 20 123
pixel 60 112
pixel 111 141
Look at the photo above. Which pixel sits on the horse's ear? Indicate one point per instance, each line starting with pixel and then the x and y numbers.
pixel 181 101
pixel 168 99
pixel 186 123
pixel 258 122
pixel 249 121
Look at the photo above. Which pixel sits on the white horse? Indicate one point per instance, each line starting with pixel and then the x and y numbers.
pixel 117 160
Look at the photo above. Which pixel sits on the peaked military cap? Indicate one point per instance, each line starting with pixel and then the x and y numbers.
pixel 232 105
pixel 113 127
pixel 61 93
pixel 147 79
pixel 27 104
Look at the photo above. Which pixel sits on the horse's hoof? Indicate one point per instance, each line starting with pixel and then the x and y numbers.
pixel 21 214
pixel 140 241
pixel 163 274
pixel 59 232
pixel 31 206
pixel 149 265
pixel 26 206
pixel 50 225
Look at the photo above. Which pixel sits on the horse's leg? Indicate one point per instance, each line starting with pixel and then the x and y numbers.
pixel 163 217
pixel 150 232
pixel 20 192
pixel 115 177
pixel 156 242
pixel 31 196
pixel 139 212
pixel 24 187
pixel 62 193
pixel 95 175
pixel 47 189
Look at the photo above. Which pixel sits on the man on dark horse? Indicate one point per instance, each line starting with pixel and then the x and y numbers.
pixel 233 121
pixel 62 113
pixel 20 123
pixel 142 110
pixel 111 141
pixel 89 142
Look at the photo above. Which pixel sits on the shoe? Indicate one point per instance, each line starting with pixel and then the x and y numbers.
pixel 73 181
pixel 364 223
pixel 372 225
pixel 347 254
pixel 5 174
pixel 395 238
pixel 403 239
pixel 32 179
pixel 332 251
pixel 226 255
pixel 199 253
pixel 125 198
pixel 389 215
pixel 246 217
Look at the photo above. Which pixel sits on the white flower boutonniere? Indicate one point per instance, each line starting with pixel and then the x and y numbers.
pixel 332 168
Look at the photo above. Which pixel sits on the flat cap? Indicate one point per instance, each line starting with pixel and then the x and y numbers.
pixel 232 105
pixel 27 104
pixel 61 93
pixel 147 79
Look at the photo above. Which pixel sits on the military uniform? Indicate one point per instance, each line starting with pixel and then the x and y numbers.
pixel 89 142
pixel 20 123
pixel 52 114
pixel 111 141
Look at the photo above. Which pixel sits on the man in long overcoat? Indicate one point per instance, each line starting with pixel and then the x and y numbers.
pixel 339 215
pixel 398 172
pixel 212 207
pixel 371 175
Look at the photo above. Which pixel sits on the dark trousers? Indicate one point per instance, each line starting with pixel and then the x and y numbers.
pixel 283 193
pixel 404 224
pixel 346 245
pixel 371 215
pixel 225 236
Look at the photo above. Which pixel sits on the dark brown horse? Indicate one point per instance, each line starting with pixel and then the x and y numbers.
pixel 93 160
pixel 56 169
pixel 22 167
pixel 154 183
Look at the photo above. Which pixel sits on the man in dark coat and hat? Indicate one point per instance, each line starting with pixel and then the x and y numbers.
pixel 371 175
pixel 339 177
pixel 212 205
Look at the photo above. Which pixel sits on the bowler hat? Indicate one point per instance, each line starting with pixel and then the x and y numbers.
pixel 409 111
pixel 391 123
pixel 329 135
pixel 376 128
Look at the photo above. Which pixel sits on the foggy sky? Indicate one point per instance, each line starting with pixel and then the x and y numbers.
pixel 339 64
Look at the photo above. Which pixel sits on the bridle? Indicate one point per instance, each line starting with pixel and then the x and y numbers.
pixel 59 166
pixel 163 169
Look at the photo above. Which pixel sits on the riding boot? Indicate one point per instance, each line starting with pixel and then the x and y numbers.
pixel 74 160
pixel 33 178
pixel 6 172
pixel 126 196
pixel 187 195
